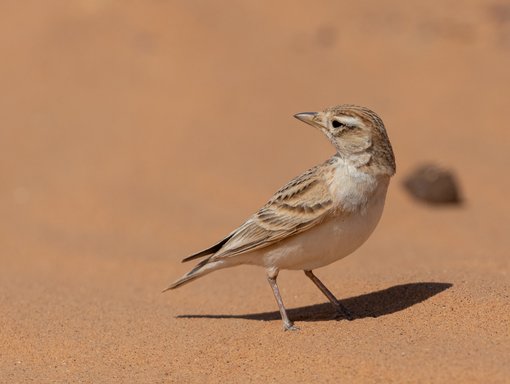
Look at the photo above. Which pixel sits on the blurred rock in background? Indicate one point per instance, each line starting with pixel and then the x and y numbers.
pixel 433 184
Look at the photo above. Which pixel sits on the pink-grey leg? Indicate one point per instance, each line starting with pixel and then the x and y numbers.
pixel 287 324
pixel 340 309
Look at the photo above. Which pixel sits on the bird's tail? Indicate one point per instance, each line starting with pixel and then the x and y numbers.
pixel 203 268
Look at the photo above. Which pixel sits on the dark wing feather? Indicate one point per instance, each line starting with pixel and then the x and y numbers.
pixel 209 251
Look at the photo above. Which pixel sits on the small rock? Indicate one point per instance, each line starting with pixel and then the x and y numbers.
pixel 433 184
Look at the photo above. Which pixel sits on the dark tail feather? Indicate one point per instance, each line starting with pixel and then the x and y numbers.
pixel 215 248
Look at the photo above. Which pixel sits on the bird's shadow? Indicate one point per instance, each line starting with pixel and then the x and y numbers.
pixel 374 304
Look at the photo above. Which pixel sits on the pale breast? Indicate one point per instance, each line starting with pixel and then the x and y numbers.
pixel 352 189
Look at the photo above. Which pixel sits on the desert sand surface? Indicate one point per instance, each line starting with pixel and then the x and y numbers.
pixel 133 134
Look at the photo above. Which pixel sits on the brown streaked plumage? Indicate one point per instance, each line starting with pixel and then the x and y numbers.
pixel 320 216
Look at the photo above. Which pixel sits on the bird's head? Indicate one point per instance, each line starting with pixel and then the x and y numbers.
pixel 357 133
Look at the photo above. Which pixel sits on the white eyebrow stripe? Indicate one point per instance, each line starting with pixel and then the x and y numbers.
pixel 349 121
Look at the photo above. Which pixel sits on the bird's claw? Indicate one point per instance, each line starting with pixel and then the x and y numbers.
pixel 290 327
pixel 343 313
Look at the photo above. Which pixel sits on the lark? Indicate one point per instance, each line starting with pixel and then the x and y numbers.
pixel 320 216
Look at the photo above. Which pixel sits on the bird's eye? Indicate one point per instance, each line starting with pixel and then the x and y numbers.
pixel 336 124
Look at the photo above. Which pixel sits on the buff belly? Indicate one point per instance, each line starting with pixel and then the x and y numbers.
pixel 332 240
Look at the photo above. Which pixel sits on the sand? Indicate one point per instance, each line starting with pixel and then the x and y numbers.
pixel 133 134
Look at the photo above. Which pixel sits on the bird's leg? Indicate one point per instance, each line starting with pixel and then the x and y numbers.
pixel 340 309
pixel 287 324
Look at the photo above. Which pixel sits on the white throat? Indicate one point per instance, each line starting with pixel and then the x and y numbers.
pixel 351 187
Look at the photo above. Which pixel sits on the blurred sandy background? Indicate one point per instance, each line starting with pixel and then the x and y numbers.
pixel 135 133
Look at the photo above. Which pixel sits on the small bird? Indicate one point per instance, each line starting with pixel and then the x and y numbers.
pixel 318 217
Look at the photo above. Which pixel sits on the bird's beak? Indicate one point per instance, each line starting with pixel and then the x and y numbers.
pixel 315 119
pixel 307 117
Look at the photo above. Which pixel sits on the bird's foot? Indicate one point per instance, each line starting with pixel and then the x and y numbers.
pixel 290 327
pixel 343 313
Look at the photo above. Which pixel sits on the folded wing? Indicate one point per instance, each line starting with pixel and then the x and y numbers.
pixel 302 203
